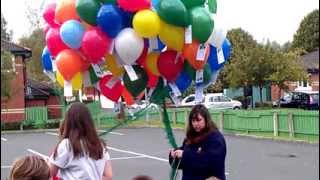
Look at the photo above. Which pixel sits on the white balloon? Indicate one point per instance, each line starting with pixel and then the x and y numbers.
pixel 129 46
pixel 217 37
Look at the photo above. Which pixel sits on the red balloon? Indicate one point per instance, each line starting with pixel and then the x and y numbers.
pixel 170 65
pixel 95 44
pixel 143 57
pixel 134 5
pixel 48 14
pixel 152 79
pixel 54 42
pixel 111 90
pixel 69 63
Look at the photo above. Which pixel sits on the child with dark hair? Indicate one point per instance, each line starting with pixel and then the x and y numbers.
pixel 30 167
pixel 142 177
pixel 80 154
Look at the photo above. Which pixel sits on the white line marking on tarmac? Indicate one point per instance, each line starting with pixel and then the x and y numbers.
pixel 6 167
pixel 51 133
pixel 115 133
pixel 138 154
pixel 129 152
pixel 37 153
pixel 3 139
pixel 121 158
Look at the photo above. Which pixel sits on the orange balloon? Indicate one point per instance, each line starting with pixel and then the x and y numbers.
pixel 112 65
pixel 151 63
pixel 66 10
pixel 69 63
pixel 128 98
pixel 190 53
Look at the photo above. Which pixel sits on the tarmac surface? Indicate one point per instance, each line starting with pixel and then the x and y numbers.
pixel 139 151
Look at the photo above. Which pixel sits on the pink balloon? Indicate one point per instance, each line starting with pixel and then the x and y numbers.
pixel 48 14
pixel 134 5
pixel 46 28
pixel 54 42
pixel 95 44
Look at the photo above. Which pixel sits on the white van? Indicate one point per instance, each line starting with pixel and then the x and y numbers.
pixel 213 101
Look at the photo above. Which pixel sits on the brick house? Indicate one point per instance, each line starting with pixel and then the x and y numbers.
pixel 311 66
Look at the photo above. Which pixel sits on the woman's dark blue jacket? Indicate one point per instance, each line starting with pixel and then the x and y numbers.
pixel 205 159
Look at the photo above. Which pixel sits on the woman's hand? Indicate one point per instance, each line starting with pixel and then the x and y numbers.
pixel 178 153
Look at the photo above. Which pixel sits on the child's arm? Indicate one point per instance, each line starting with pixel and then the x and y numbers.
pixel 107 173
pixel 53 169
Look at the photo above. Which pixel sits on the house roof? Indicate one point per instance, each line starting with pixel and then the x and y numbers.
pixel 311 61
pixel 15 49
pixel 38 90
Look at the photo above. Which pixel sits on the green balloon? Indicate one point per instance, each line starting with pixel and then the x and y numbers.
pixel 202 24
pixel 88 10
pixel 192 3
pixel 93 77
pixel 108 1
pixel 192 72
pixel 160 93
pixel 212 5
pixel 173 12
pixel 137 86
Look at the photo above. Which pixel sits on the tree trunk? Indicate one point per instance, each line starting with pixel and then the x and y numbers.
pixel 260 89
pixel 279 96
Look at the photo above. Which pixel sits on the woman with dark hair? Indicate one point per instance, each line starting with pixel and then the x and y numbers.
pixel 202 155
pixel 80 154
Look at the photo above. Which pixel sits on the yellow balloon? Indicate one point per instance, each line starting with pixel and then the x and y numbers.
pixel 151 63
pixel 60 79
pixel 112 65
pixel 146 23
pixel 76 80
pixel 172 36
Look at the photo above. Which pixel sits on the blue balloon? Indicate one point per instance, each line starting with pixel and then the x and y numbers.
pixel 46 59
pixel 71 33
pixel 183 81
pixel 213 56
pixel 110 19
pixel 154 3
pixel 226 48
pixel 127 18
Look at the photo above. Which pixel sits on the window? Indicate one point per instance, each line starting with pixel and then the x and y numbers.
pixel 214 99
pixel 224 99
pixel 190 99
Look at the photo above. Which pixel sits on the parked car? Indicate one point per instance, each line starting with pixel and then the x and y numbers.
pixel 213 100
pixel 300 99
pixel 141 105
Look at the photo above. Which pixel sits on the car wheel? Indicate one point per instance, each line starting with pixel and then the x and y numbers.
pixel 236 107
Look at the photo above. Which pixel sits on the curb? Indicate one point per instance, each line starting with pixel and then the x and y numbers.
pixel 29 131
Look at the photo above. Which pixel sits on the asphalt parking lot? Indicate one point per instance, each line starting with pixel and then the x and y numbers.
pixel 145 150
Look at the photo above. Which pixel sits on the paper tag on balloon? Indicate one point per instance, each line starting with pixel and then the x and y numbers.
pixel 50 74
pixel 199 76
pixel 201 52
pixel 86 79
pixel 175 89
pixel 67 89
pixel 54 65
pixel 111 47
pixel 188 35
pixel 131 73
pixel 111 82
pixel 165 82
pixel 150 92
pixel 220 56
pixel 153 43
pixel 80 95
pixel 199 94
pixel 117 107
pixel 97 70
pixel 176 100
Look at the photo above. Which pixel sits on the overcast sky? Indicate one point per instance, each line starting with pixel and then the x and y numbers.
pixel 276 20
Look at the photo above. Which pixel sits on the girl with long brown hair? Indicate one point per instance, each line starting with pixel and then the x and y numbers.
pixel 80 154
pixel 202 155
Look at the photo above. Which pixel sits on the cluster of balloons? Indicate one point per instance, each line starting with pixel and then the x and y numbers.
pixel 127 46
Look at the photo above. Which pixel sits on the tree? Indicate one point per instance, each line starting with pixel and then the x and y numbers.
pixel 5 33
pixel 287 67
pixel 242 43
pixel 307 35
pixel 36 41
